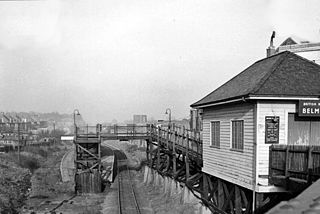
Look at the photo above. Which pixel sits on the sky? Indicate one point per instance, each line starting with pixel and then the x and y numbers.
pixel 112 59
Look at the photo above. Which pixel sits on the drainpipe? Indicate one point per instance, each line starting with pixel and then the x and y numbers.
pixel 255 157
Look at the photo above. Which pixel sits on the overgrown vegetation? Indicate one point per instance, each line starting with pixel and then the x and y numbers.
pixel 14 185
pixel 38 165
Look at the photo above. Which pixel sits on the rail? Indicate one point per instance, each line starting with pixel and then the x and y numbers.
pixel 293 163
pixel 178 139
pixel 129 131
pixel 127 199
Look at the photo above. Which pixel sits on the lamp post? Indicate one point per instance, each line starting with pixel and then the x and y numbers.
pixel 75 112
pixel 168 111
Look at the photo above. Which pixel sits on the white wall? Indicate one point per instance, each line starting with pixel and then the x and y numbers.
pixel 270 108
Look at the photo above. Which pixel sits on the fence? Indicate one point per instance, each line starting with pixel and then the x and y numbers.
pixel 300 163
pixel 131 130
pixel 187 141
pixel 177 137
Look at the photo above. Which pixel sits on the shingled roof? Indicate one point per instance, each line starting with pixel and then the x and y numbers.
pixel 282 75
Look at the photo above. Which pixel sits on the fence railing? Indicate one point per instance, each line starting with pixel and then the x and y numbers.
pixel 294 162
pixel 128 130
pixel 178 137
pixel 175 137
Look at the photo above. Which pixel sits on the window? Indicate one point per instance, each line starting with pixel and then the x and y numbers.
pixel 303 130
pixel 237 135
pixel 215 134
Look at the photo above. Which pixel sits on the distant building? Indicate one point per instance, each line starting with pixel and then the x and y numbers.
pixel 302 47
pixel 139 119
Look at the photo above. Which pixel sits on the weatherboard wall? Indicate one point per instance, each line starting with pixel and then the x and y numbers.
pixel 270 108
pixel 223 162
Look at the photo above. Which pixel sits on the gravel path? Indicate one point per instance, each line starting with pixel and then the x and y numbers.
pixel 67 166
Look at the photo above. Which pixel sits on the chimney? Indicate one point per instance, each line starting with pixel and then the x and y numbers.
pixel 271 50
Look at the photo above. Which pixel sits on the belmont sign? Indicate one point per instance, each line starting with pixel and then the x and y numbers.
pixel 309 108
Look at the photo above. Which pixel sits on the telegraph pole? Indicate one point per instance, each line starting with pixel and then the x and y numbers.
pixel 19 142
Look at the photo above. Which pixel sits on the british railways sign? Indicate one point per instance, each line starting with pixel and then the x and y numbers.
pixel 309 108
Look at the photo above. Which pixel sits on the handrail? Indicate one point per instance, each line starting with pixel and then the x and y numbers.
pixel 176 137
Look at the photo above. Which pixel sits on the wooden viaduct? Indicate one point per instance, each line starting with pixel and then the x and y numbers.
pixel 177 153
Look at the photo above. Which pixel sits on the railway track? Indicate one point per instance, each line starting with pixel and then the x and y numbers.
pixel 126 194
pixel 127 200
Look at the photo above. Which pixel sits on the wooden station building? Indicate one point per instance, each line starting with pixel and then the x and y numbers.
pixel 276 100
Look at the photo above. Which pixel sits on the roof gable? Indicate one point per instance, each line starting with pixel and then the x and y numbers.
pixel 288 41
pixel 283 74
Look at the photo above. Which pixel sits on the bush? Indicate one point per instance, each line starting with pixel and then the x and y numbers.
pixel 38 151
pixel 29 162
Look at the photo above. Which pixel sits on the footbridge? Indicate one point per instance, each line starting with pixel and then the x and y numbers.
pixel 176 139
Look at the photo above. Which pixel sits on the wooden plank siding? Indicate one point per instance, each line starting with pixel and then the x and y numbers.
pixel 225 163
pixel 270 108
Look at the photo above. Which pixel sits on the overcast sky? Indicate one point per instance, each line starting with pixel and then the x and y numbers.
pixel 115 58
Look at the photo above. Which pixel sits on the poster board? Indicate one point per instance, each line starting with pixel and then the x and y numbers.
pixel 272 124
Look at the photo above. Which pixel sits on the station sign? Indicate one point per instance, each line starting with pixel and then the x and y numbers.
pixel 309 108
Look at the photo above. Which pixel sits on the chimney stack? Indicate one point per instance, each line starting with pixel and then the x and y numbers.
pixel 271 49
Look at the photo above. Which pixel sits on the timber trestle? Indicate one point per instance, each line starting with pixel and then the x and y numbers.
pixel 87 161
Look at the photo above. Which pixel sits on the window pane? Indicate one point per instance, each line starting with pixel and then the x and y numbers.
pixel 237 134
pixel 215 133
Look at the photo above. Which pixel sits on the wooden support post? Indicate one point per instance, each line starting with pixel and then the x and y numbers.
pixel 270 165
pixel 229 195
pixel 205 187
pixel 187 160
pixel 99 153
pixel 168 164
pixel 244 199
pixel 183 135
pixel 158 158
pixel 259 200
pixel 310 165
pixel 151 148
pixel 174 153
pixel 147 150
pixel 237 201
pixel 158 153
pixel 220 194
pixel 286 172
pixel 167 140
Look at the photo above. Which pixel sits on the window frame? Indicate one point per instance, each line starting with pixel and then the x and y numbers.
pixel 219 136
pixel 232 134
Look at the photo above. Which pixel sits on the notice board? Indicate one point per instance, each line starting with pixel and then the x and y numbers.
pixel 272 129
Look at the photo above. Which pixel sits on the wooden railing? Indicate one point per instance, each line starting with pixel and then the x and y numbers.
pixel 176 138
pixel 136 131
pixel 291 163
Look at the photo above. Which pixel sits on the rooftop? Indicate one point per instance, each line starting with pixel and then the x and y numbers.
pixel 282 75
